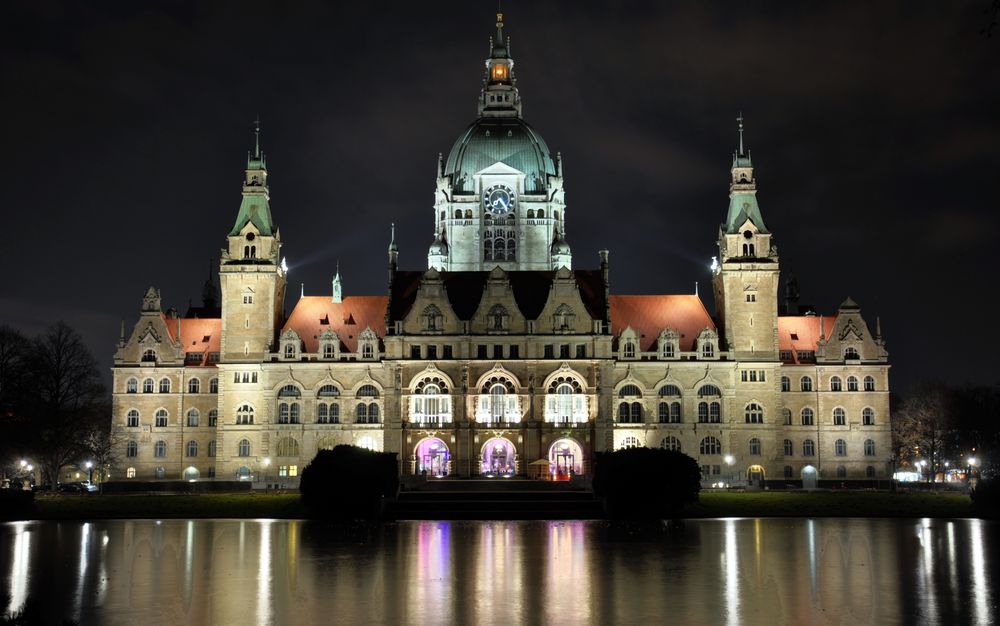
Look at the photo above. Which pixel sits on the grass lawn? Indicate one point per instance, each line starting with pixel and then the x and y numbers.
pixel 830 504
pixel 711 504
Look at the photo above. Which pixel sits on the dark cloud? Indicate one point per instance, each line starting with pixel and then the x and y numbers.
pixel 873 128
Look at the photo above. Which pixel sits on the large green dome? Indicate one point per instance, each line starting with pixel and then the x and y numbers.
pixel 507 139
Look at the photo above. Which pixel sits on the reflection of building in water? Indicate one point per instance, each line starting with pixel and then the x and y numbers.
pixel 500 354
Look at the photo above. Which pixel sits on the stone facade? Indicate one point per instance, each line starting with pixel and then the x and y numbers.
pixel 512 364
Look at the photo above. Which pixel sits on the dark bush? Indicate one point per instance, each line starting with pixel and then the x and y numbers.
pixel 646 483
pixel 16 505
pixel 986 498
pixel 349 483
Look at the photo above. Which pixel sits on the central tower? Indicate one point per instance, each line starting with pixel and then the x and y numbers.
pixel 499 199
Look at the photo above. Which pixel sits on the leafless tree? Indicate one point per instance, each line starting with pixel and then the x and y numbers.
pixel 923 426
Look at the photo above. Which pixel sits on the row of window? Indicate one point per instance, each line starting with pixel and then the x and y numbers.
pixel 161 418
pixel 712 446
pixel 286 447
pixel 850 354
pixel 836 383
pixel 808 417
pixel 149 356
pixel 193 386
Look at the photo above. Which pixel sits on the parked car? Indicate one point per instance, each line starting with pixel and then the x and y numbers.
pixel 80 488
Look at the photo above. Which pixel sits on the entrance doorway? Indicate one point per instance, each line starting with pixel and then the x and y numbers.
pixel 191 473
pixel 499 458
pixel 809 477
pixel 755 477
pixel 565 459
pixel 432 458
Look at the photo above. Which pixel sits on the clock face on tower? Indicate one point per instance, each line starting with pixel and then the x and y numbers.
pixel 499 200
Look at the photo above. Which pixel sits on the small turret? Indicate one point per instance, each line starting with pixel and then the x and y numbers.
pixel 337 288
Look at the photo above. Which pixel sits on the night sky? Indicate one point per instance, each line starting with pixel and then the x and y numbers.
pixel 873 127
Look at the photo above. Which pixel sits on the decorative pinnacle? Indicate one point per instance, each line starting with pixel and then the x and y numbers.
pixel 740 120
pixel 256 134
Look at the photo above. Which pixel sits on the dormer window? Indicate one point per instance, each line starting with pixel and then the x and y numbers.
pixel 433 319
pixel 628 349
pixel 563 318
pixel 669 344
pixel 368 344
pixel 851 353
pixel 290 344
pixel 329 344
pixel 708 344
pixel 497 319
pixel 149 356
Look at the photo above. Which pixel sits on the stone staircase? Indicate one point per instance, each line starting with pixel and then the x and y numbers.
pixel 495 499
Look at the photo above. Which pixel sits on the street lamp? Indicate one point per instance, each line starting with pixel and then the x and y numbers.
pixel 729 461
pixel 267 463
pixel 90 471
pixel 972 463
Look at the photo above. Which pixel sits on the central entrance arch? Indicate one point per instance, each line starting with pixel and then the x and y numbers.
pixel 565 459
pixel 755 476
pixel 432 457
pixel 809 477
pixel 499 457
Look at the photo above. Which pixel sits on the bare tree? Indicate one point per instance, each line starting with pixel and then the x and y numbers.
pixel 923 426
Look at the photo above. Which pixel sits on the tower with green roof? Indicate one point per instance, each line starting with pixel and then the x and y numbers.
pixel 745 274
pixel 499 200
pixel 252 274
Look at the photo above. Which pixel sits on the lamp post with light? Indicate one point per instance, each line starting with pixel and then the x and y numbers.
pixel 267 463
pixel 972 464
pixel 729 461
pixel 90 471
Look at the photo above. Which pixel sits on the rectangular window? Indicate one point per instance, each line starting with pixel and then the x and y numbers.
pixel 247 299
pixel 481 351
pixel 497 352
pixel 414 352
pixel 549 352
pixel 448 352
pixel 293 470
pixel 751 297
pixel 213 357
pixel 514 352
pixel 432 352
pixel 282 470
pixel 193 358
pixel 564 351
pixel 716 470
pixel 581 351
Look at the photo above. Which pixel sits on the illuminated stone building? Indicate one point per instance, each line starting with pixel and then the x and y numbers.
pixel 500 358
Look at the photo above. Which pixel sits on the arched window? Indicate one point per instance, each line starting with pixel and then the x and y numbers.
pixel 636 412
pixel 707 350
pixel 870 472
pixel 194 386
pixel 164 385
pixel 869 383
pixel 373 413
pixel 296 415
pixel 754 413
pixel 160 449
pixel 786 416
pixel 244 447
pixel 287 447
pixel 361 413
pixel 213 385
pixel 629 442
pixel 709 390
pixel 193 417
pixel 671 443
pixel 869 447
pixel 788 448
pixel 149 355
pixel 244 414
pixel 786 383
pixel 367 391
pixel 132 449
pixel 852 383
pixel 806 383
pixel 147 385
pixel 851 353
pixel 672 391
pixel 132 419
pixel 629 390
pixel 839 417
pixel 213 418
pixel 192 448
pixel 808 448
pixel 841 471
pixel 161 418
pixel 211 448
pixel 130 472
pixel 663 413
pixel 488 250
pixel 868 416
pixel 623 413
pixel 754 446
pixel 328 391
pixel 835 384
pixel 283 413
pixel 840 448
pixel 628 350
pixel 289 391
pixel 132 386
pixel 710 445
pixel 808 416
pixel 322 413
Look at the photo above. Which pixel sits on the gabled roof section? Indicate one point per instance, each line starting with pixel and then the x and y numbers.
pixel 648 315
pixel 254 209
pixel 465 291
pixel 802 332
pixel 742 207
pixel 314 315
pixel 198 335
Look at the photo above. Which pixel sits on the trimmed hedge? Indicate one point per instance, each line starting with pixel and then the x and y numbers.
pixel 646 483
pixel 349 483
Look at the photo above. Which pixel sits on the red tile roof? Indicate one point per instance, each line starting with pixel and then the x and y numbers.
pixel 313 315
pixel 801 332
pixel 197 335
pixel 648 315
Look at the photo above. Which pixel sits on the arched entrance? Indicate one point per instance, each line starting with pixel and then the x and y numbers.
pixel 755 477
pixel 160 472
pixel 191 473
pixel 432 457
pixel 243 473
pixel 499 457
pixel 565 459
pixel 809 477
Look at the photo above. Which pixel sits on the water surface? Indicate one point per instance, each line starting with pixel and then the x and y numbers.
pixel 731 571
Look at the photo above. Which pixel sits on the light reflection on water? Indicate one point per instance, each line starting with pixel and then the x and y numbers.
pixel 732 571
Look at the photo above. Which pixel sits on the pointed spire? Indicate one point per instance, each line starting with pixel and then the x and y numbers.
pixel 337 290
pixel 121 333
pixel 392 238
pixel 740 121
pixel 256 137
pixel 878 327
